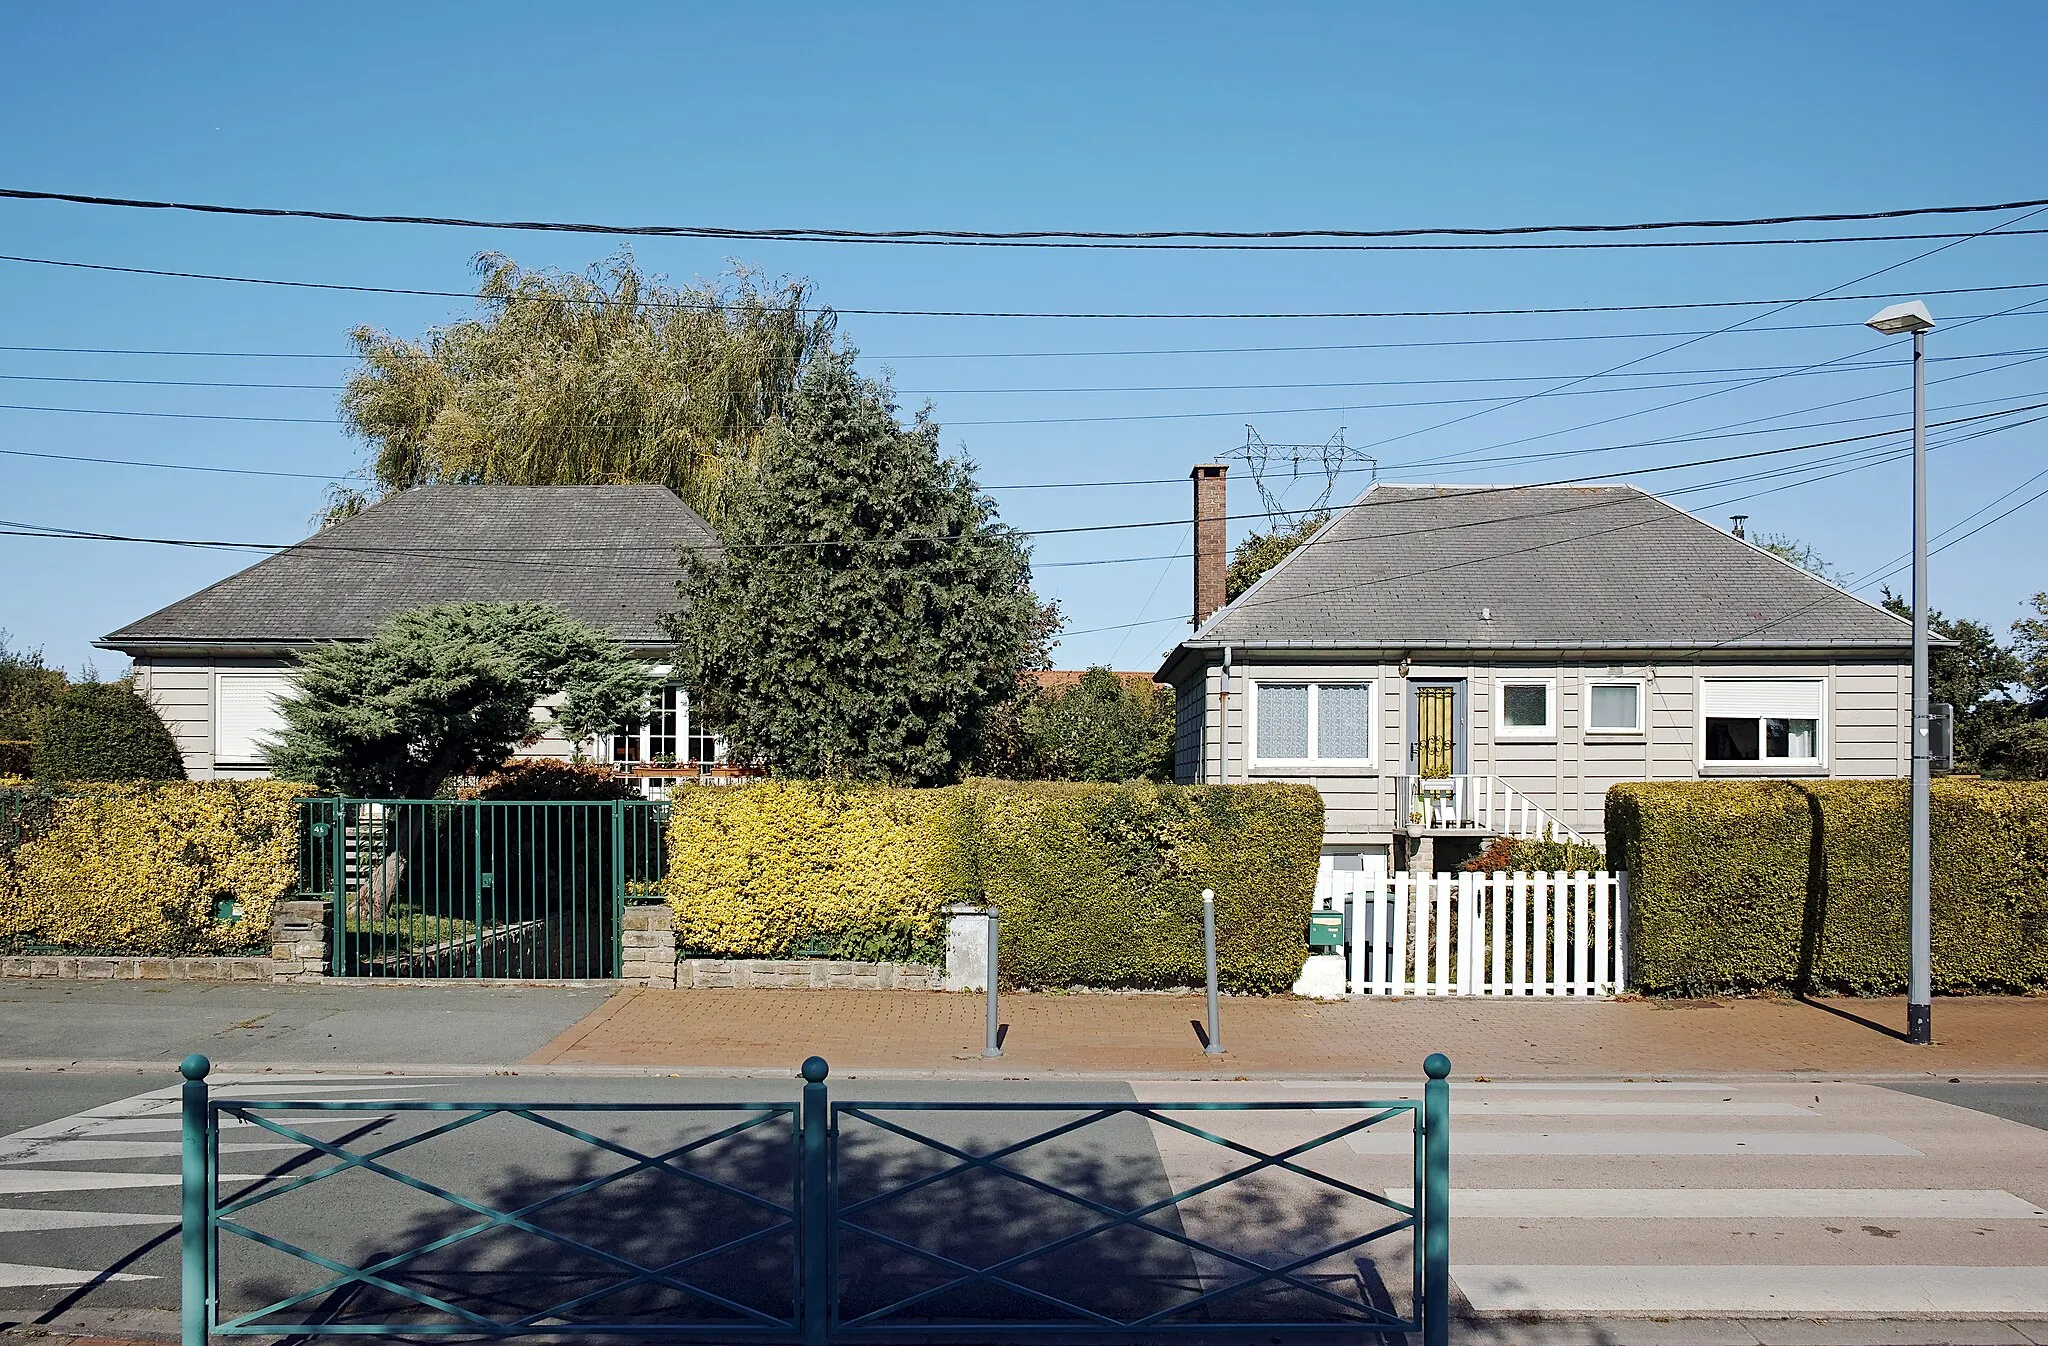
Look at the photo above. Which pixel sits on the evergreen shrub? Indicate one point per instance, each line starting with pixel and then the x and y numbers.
pixel 170 869
pixel 104 731
pixel 1802 886
pixel 1097 885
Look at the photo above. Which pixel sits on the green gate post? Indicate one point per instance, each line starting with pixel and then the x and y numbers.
pixel 337 836
pixel 814 1208
pixel 618 887
pixel 194 1240
pixel 1436 1201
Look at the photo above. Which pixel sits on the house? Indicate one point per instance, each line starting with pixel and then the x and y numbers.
pixel 1447 664
pixel 215 664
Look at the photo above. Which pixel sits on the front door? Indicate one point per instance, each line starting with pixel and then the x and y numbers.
pixel 1436 740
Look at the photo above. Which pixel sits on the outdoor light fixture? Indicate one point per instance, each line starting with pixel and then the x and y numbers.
pixel 1899 320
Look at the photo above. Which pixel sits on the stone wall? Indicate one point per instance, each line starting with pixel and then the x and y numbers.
pixel 805 974
pixel 298 941
pixel 298 952
pixel 650 946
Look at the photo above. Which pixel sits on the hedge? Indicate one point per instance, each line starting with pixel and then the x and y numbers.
pixel 143 869
pixel 1793 886
pixel 104 731
pixel 1098 885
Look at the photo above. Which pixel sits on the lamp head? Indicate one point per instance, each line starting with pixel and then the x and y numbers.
pixel 1902 318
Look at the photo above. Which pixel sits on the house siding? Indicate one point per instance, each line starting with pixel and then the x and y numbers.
pixel 1865 734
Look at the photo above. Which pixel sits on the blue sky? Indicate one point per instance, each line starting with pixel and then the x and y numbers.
pixel 1084 116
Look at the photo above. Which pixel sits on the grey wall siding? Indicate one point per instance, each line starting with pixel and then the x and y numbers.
pixel 182 690
pixel 1568 774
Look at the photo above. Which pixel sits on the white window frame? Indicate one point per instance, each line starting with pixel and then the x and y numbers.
pixel 1642 707
pixel 1315 699
pixel 1503 730
pixel 1820 729
pixel 644 734
pixel 288 683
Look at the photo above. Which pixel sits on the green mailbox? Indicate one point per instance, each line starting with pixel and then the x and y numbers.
pixel 1326 930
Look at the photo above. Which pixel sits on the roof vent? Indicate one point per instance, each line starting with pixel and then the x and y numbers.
pixel 1739 520
pixel 1486 614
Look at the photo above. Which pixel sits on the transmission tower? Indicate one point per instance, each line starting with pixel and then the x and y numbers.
pixel 1277 469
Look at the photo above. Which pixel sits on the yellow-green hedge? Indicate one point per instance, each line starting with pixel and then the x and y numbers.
pixel 1098 885
pixel 141 868
pixel 1780 885
pixel 761 870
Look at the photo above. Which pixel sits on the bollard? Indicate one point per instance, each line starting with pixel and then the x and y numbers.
pixel 194 1182
pixel 815 1218
pixel 1215 1044
pixel 994 1046
pixel 1436 1201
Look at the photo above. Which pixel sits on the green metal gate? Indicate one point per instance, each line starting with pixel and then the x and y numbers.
pixel 448 888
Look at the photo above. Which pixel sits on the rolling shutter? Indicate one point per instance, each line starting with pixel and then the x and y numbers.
pixel 1754 698
pixel 245 715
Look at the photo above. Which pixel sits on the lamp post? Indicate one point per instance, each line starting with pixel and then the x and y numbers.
pixel 1894 321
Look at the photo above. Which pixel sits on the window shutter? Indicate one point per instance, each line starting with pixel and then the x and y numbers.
pixel 245 715
pixel 1791 698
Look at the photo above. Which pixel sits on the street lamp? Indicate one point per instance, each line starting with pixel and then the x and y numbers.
pixel 1894 321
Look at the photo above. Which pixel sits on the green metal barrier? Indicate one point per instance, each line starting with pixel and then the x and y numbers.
pixel 806 1242
pixel 443 888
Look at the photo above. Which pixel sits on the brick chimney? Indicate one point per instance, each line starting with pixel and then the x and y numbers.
pixel 1212 541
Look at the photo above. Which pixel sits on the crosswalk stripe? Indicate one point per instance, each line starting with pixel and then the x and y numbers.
pixel 1762 1290
pixel 1731 1203
pixel 1400 1088
pixel 14 1274
pixel 1610 1144
pixel 25 1221
pixel 22 1181
pixel 62 1150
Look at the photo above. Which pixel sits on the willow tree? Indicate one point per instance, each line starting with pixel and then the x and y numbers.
pixel 602 377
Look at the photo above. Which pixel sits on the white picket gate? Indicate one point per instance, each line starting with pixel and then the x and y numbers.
pixel 1481 934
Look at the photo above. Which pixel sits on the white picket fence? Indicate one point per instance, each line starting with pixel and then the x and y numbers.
pixel 1481 934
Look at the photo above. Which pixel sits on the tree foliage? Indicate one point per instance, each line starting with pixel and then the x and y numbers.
pixel 603 377
pixel 27 688
pixel 1103 728
pixel 450 690
pixel 1262 551
pixel 1802 554
pixel 1976 675
pixel 104 731
pixel 870 614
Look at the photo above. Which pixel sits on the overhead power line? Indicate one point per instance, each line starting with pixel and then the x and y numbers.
pixel 1170 239
pixel 1023 313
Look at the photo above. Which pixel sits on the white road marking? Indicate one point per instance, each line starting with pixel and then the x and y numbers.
pixel 15 1274
pixel 20 1181
pixel 1763 1291
pixel 1605 1144
pixel 61 1150
pixel 94 1128
pixel 1409 1088
pixel 1732 1203
pixel 22 1221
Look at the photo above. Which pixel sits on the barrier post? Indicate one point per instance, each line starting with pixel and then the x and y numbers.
pixel 993 1046
pixel 1214 1047
pixel 194 1242
pixel 1436 1201
pixel 814 1214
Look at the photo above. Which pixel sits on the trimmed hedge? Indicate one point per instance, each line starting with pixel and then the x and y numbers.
pixel 142 869
pixel 1797 886
pixel 104 731
pixel 1098 885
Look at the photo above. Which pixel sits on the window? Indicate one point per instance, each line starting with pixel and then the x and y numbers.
pixel 1527 708
pixel 1762 719
pixel 245 716
pixel 668 734
pixel 1313 722
pixel 1614 707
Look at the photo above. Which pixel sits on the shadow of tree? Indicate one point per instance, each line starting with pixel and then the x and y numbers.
pixel 579 1237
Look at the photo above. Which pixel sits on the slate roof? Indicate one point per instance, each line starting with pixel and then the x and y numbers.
pixel 606 554
pixel 1556 567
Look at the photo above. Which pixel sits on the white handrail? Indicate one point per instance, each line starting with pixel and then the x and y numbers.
pixel 1482 803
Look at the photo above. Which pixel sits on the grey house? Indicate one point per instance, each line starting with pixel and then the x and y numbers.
pixel 1449 664
pixel 214 664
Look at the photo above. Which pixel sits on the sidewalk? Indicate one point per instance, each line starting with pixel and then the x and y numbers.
pixel 1139 1035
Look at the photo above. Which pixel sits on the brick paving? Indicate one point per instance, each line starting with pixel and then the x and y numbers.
pixel 1140 1035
